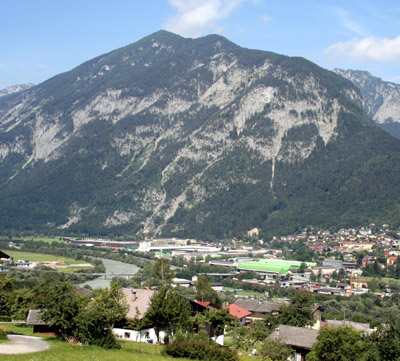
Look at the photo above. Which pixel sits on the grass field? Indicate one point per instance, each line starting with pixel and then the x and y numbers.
pixel 37 257
pixel 61 351
pixel 44 239
pixel 41 257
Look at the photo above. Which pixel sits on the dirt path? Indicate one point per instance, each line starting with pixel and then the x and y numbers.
pixel 23 344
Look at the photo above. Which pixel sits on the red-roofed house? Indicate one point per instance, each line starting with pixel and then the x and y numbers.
pixel 238 312
pixel 205 304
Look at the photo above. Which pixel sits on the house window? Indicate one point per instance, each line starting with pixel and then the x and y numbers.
pixel 127 335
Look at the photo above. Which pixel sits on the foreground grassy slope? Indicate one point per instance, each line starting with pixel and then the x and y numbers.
pixel 61 351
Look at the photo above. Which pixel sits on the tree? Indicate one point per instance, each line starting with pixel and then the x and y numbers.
pixel 6 290
pixel 168 310
pixel 85 319
pixel 275 349
pixel 298 312
pixel 384 345
pixel 97 318
pixel 249 336
pixel 60 306
pixel 337 344
pixel 218 319
pixel 313 277
pixel 162 274
pixel 373 285
pixel 303 267
pixel 22 301
pixel 204 291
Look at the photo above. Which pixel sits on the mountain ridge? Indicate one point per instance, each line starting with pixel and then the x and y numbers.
pixel 381 99
pixel 190 137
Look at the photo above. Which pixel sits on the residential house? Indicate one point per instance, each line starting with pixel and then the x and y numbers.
pixel 363 327
pixel 138 301
pixel 217 286
pixel 5 258
pixel 299 338
pixel 322 271
pixel 359 284
pixel 182 282
pixel 39 326
pixel 238 312
pixel 258 308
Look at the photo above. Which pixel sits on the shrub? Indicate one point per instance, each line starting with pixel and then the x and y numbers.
pixel 199 347
pixel 3 333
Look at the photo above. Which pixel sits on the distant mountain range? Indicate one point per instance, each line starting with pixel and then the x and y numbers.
pixel 15 89
pixel 381 99
pixel 193 138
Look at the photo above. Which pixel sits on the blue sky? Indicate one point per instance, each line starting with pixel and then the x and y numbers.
pixel 42 38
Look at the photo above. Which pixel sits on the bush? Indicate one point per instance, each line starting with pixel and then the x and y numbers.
pixel 3 333
pixel 199 347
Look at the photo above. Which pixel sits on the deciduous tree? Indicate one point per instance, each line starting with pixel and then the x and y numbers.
pixel 337 344
pixel 168 310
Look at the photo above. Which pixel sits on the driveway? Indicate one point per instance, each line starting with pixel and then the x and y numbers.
pixel 23 344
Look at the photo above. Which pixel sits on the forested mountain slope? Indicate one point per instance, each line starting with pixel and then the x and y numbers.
pixel 193 137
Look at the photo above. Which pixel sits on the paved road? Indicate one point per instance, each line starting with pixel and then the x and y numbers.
pixel 23 344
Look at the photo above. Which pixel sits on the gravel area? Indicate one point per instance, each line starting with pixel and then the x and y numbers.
pixel 23 344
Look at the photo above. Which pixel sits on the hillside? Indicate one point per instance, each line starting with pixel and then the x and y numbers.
pixel 193 137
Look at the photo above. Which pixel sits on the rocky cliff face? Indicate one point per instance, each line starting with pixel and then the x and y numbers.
pixel 175 136
pixel 381 99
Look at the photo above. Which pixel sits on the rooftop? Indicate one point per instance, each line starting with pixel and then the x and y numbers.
pixel 296 336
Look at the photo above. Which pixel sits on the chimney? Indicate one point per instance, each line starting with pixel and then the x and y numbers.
pixel 133 295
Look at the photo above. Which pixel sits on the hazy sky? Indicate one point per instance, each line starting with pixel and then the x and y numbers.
pixel 42 38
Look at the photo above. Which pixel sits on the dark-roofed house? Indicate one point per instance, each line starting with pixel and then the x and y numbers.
pixel 4 255
pixel 299 338
pixel 259 309
pixel 363 327
pixel 39 326
pixel 4 258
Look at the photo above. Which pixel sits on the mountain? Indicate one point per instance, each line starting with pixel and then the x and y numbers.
pixel 15 88
pixel 381 99
pixel 193 138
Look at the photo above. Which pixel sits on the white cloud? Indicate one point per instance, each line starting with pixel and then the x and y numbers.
pixel 4 69
pixel 198 16
pixel 368 49
pixel 349 23
pixel 265 18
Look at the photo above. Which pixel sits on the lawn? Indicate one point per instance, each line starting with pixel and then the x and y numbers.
pixel 61 351
pixel 41 257
pixel 45 239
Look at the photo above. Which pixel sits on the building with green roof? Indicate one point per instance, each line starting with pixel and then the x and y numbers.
pixel 272 266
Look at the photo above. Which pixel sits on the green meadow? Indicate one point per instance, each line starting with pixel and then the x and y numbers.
pixel 41 257
pixel 62 351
